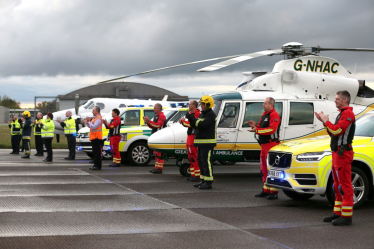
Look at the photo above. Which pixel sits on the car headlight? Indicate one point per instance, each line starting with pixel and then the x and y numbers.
pixel 313 156
pixel 124 137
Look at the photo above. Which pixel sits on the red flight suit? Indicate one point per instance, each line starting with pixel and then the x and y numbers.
pixel 192 150
pixel 342 165
pixel 266 128
pixel 115 138
pixel 159 122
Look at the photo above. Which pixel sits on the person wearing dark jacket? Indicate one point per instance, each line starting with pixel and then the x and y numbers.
pixel 26 134
pixel 70 131
pixel 341 133
pixel 205 139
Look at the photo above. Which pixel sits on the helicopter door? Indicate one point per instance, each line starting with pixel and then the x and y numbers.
pixel 227 130
pixel 246 140
pixel 300 122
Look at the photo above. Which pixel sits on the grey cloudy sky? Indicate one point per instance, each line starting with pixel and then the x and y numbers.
pixel 51 47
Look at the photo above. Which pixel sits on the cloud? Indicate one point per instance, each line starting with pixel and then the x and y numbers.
pixel 51 47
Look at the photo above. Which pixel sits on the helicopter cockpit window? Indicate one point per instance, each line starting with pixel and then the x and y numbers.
pixel 229 117
pixel 254 111
pixel 101 105
pixel 301 113
pixel 243 86
pixel 217 105
pixel 178 116
pixel 88 105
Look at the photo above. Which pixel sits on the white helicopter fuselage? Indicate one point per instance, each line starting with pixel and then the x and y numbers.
pixel 300 87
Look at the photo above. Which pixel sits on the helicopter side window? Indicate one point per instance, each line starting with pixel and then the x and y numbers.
pixel 229 117
pixel 301 113
pixel 254 111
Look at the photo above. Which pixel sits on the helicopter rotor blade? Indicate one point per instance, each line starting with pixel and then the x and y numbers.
pixel 318 49
pixel 238 59
pixel 163 68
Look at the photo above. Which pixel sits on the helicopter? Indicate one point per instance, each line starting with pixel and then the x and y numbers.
pixel 302 83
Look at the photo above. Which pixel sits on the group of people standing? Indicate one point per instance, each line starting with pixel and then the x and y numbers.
pixel 44 129
pixel 201 140
pixel 341 133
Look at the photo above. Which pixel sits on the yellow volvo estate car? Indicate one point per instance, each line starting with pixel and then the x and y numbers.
pixel 302 168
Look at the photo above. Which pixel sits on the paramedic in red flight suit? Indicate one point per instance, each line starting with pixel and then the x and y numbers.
pixel 341 133
pixel 268 133
pixel 192 150
pixel 159 122
pixel 114 136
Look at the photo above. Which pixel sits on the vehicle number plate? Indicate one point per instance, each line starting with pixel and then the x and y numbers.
pixel 105 147
pixel 276 174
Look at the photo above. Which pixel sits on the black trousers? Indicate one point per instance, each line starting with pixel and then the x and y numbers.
pixel 48 146
pixel 15 143
pixel 205 160
pixel 26 146
pixel 39 144
pixel 96 151
pixel 71 145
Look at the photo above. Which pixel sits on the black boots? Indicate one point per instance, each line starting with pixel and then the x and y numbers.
pixel 206 185
pixel 26 157
pixel 156 171
pixel 341 221
pixel 261 194
pixel 272 196
pixel 337 220
pixel 330 218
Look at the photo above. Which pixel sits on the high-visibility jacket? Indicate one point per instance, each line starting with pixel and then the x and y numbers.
pixel 69 126
pixel 15 128
pixel 48 129
pixel 98 132
pixel 38 127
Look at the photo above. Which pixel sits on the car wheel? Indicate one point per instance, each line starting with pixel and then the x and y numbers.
pixel 360 184
pixel 184 169
pixel 226 162
pixel 89 154
pixel 139 154
pixel 296 196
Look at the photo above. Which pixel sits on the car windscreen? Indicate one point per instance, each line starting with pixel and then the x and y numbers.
pixel 365 125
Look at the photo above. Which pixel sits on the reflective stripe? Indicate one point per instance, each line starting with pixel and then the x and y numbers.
pixel 264 131
pixel 334 132
pixel 338 203
pixel 26 137
pixel 347 207
pixel 347 214
pixel 202 177
pixel 198 120
pixel 337 209
pixel 205 141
